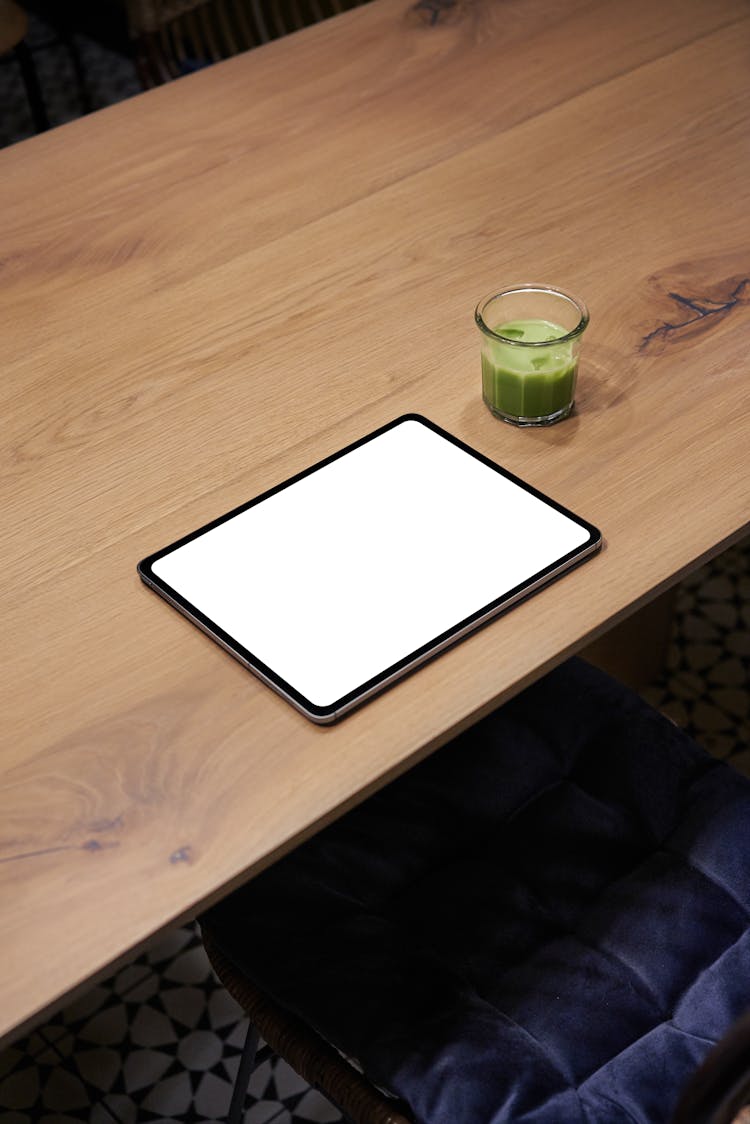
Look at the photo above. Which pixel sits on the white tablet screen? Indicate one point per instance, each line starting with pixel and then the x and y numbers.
pixel 338 576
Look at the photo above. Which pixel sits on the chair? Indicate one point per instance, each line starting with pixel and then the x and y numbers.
pixel 13 30
pixel 548 921
pixel 306 1052
pixel 173 37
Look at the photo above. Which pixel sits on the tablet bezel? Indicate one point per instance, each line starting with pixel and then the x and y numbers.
pixel 389 675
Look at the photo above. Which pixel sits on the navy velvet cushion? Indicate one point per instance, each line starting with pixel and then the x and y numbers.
pixel 546 922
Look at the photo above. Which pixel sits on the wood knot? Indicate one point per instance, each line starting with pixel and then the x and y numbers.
pixel 106 824
pixel 432 12
pixel 97 845
pixel 698 314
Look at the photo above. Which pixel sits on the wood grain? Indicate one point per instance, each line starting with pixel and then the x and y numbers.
pixel 213 285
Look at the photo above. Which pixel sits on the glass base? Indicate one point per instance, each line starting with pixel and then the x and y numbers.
pixel 546 419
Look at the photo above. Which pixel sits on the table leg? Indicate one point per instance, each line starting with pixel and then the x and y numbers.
pixel 635 651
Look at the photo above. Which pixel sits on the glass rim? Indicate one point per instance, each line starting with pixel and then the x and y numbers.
pixel 532 288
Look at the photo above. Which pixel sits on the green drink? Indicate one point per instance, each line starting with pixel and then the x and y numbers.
pixel 531 337
pixel 524 380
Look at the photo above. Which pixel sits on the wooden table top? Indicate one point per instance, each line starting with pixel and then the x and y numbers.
pixel 214 285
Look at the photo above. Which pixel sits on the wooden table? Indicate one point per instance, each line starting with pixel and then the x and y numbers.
pixel 218 283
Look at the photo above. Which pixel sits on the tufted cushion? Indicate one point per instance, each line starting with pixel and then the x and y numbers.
pixel 546 922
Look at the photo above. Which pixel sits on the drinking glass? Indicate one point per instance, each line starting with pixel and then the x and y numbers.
pixel 531 337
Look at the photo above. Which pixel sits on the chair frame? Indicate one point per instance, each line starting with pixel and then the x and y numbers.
pixel 719 1090
pixel 23 54
pixel 163 32
pixel 306 1052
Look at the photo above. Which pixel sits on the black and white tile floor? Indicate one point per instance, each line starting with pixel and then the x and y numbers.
pixel 706 686
pixel 159 1043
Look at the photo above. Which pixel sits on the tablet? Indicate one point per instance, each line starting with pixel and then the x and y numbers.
pixel 336 583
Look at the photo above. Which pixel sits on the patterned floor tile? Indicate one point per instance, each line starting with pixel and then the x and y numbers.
pixel 314 1107
pixel 706 685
